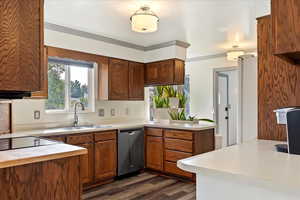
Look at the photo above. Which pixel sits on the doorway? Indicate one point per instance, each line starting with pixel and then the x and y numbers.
pixel 226 104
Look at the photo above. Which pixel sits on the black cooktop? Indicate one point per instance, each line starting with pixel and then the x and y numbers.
pixel 23 142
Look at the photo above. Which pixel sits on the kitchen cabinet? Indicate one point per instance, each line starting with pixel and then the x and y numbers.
pixel 118 77
pixel 164 147
pixel 154 153
pixel 121 80
pixel 43 93
pixel 105 155
pixel 87 160
pixel 286 28
pixel 278 84
pixel 136 81
pixel 100 164
pixel 21 45
pixel 166 72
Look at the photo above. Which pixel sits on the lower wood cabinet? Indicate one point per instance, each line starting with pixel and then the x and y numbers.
pixel 87 160
pixel 154 152
pixel 86 164
pixel 100 164
pixel 164 147
pixel 105 159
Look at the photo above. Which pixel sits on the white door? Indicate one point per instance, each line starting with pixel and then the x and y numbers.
pixel 223 80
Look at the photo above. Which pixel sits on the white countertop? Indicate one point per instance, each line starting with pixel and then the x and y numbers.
pixel 113 126
pixel 255 160
pixel 24 156
pixel 191 127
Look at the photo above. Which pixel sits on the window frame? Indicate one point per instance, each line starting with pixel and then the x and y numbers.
pixel 91 93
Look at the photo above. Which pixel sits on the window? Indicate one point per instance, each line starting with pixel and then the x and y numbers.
pixel 182 88
pixel 70 81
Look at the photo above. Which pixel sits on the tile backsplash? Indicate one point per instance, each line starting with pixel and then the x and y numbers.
pixel 105 112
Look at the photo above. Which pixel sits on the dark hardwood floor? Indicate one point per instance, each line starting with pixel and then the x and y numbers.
pixel 145 186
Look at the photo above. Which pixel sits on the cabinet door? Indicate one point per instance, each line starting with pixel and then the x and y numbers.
pixel 136 81
pixel 166 72
pixel 43 93
pixel 21 44
pixel 86 163
pixel 286 27
pixel 151 74
pixel 118 79
pixel 179 72
pixel 105 159
pixel 154 153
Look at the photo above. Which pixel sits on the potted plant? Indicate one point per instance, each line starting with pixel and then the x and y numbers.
pixel 161 107
pixel 171 93
pixel 180 117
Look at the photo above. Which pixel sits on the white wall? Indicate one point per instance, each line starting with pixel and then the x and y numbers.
pixel 201 84
pixel 68 41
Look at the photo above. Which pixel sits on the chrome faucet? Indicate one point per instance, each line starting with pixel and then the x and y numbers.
pixel 75 123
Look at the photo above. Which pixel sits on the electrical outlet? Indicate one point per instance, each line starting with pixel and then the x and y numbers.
pixel 112 112
pixel 36 114
pixel 101 112
pixel 127 111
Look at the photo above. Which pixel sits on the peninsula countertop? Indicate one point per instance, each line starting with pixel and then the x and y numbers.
pixel 255 160
pixel 16 157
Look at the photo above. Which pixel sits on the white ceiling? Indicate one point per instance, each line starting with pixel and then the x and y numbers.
pixel 210 26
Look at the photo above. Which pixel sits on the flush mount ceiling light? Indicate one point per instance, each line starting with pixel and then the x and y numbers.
pixel 144 20
pixel 235 53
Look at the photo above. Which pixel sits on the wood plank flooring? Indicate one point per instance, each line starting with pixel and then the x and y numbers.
pixel 145 186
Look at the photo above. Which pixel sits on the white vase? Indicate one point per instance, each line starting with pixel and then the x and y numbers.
pixel 174 102
pixel 161 114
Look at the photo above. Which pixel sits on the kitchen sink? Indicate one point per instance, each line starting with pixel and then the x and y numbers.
pixel 83 127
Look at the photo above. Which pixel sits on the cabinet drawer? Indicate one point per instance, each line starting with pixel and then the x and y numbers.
pixel 57 138
pixel 171 167
pixel 179 145
pixel 154 132
pixel 80 139
pixel 103 136
pixel 185 135
pixel 174 156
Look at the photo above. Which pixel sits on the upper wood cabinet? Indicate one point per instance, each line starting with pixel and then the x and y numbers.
pixel 21 44
pixel 166 72
pixel 121 80
pixel 43 93
pixel 286 28
pixel 136 81
pixel 118 79
pixel 278 84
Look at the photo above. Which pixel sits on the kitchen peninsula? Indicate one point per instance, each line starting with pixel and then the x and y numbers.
pixel 253 170
pixel 47 171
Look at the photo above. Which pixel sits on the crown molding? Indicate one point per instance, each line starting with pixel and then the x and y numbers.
pixel 64 29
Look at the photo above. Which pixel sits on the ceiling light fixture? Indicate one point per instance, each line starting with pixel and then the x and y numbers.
pixel 144 20
pixel 235 53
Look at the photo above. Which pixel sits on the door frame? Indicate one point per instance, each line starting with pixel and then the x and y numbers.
pixel 217 71
pixel 220 74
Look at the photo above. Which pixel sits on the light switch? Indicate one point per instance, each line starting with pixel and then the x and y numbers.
pixel 37 114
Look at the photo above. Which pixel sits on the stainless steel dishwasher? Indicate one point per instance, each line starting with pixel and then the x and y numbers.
pixel 130 151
